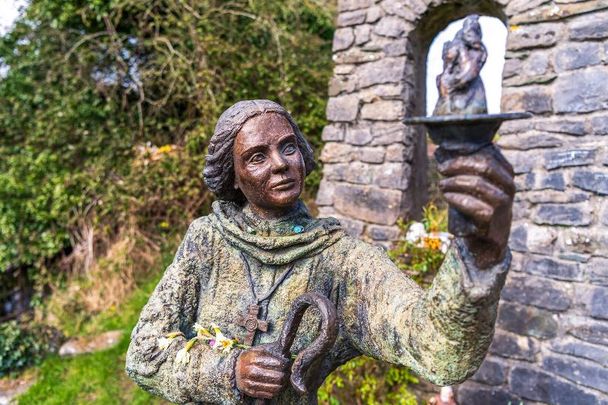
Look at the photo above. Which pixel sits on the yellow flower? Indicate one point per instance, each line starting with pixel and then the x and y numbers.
pixel 165 149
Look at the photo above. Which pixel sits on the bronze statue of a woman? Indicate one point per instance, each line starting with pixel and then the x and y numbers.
pixel 203 335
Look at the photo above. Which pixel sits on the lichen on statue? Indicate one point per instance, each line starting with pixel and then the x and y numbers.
pixel 260 249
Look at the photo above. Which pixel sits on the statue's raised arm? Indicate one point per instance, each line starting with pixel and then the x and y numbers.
pixel 208 332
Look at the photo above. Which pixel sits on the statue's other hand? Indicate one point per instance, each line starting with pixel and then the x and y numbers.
pixel 260 374
pixel 481 186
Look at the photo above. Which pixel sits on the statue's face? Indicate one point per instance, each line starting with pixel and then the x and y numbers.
pixel 269 168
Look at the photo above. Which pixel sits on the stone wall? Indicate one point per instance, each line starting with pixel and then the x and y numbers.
pixel 551 342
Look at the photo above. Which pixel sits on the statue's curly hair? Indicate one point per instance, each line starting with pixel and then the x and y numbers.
pixel 219 165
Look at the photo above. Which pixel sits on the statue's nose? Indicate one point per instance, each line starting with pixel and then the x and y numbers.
pixel 279 163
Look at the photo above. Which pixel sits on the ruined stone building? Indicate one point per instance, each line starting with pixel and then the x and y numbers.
pixel 551 342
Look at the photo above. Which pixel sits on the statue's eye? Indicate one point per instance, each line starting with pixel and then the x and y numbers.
pixel 290 149
pixel 257 158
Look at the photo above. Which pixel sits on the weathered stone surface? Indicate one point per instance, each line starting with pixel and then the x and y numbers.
pixel 533 36
pixel 598 305
pixel 355 55
pixel 389 133
pixel 345 5
pixel 527 142
pixel 562 126
pixel 372 154
pixel 528 321
pixel 399 8
pixel 382 233
pixel 577 56
pixel 391 175
pixel 537 385
pixel 553 181
pixel 333 133
pixel 569 158
pixel 597 269
pixel 343 39
pixel 574 347
pixel 351 18
pixel 553 268
pixel 580 371
pixel 382 91
pixel 491 372
pixel 343 69
pixel 522 161
pixel 354 172
pixel 591 332
pixel 590 27
pixel 514 346
pixel 557 214
pixel 90 344
pixel 537 100
pixel 360 135
pixel 325 195
pixel 518 238
pixel 550 196
pixel 516 7
pixel 596 182
pixel 580 240
pixel 476 394
pixel 599 125
pixel 536 291
pixel 374 14
pixel 383 110
pixel 582 91
pixel 399 153
pixel 387 70
pixel 368 203
pixel 392 27
pixel 335 152
pixel 352 227
pixel 339 84
pixel 362 34
pixel 343 108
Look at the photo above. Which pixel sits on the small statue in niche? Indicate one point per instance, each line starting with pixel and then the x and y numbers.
pixel 260 250
pixel 461 89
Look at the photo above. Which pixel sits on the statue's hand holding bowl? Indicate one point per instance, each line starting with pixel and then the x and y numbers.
pixel 480 186
pixel 260 374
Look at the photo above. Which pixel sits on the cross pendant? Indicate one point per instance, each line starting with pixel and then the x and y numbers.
pixel 251 323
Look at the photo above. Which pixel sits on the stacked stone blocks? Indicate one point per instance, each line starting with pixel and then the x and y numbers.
pixel 551 342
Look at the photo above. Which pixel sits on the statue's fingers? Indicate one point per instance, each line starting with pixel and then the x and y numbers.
pixel 480 212
pixel 267 376
pixel 269 361
pixel 476 186
pixel 479 165
pixel 263 390
pixel 500 158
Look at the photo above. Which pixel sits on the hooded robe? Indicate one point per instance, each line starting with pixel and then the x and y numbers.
pixel 441 333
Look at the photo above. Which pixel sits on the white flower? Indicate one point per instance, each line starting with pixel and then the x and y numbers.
pixel 182 356
pixel 415 232
pixel 446 240
pixel 164 342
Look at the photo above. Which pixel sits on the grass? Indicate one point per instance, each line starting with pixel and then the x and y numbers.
pixel 97 378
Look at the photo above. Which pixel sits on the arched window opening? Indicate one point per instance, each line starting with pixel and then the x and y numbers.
pixel 494 38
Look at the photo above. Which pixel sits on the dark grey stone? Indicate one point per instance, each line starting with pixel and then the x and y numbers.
pixel 596 182
pixel 491 372
pixel 478 395
pixel 518 239
pixel 536 291
pixel 358 135
pixel 513 346
pixel 580 371
pixel 529 321
pixel 554 181
pixel 569 158
pixel 537 385
pixel 592 332
pixel 599 303
pixel 597 271
pixel 574 347
pixel 537 100
pixel 387 70
pixel 533 36
pixel 599 125
pixel 561 214
pixel 562 126
pixel 577 56
pixel 351 18
pixel 582 91
pixel 592 27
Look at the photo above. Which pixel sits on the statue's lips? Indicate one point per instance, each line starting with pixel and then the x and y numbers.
pixel 282 185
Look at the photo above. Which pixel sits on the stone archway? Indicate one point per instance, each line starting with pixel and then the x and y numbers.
pixel 551 341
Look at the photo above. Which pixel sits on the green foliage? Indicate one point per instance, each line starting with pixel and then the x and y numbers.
pixel 367 381
pixel 21 347
pixel 421 262
pixel 89 82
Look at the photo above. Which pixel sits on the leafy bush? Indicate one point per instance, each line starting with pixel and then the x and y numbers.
pixel 21 347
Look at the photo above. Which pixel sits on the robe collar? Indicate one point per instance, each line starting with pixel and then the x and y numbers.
pixel 275 242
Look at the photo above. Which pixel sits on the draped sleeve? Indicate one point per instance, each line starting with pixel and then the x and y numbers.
pixel 209 374
pixel 442 333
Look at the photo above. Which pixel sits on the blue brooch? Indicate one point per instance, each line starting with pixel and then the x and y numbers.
pixel 298 228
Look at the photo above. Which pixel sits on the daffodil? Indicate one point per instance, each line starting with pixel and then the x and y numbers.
pixel 182 356
pixel 165 341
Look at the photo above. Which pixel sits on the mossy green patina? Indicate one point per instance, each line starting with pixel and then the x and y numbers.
pixel 442 333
